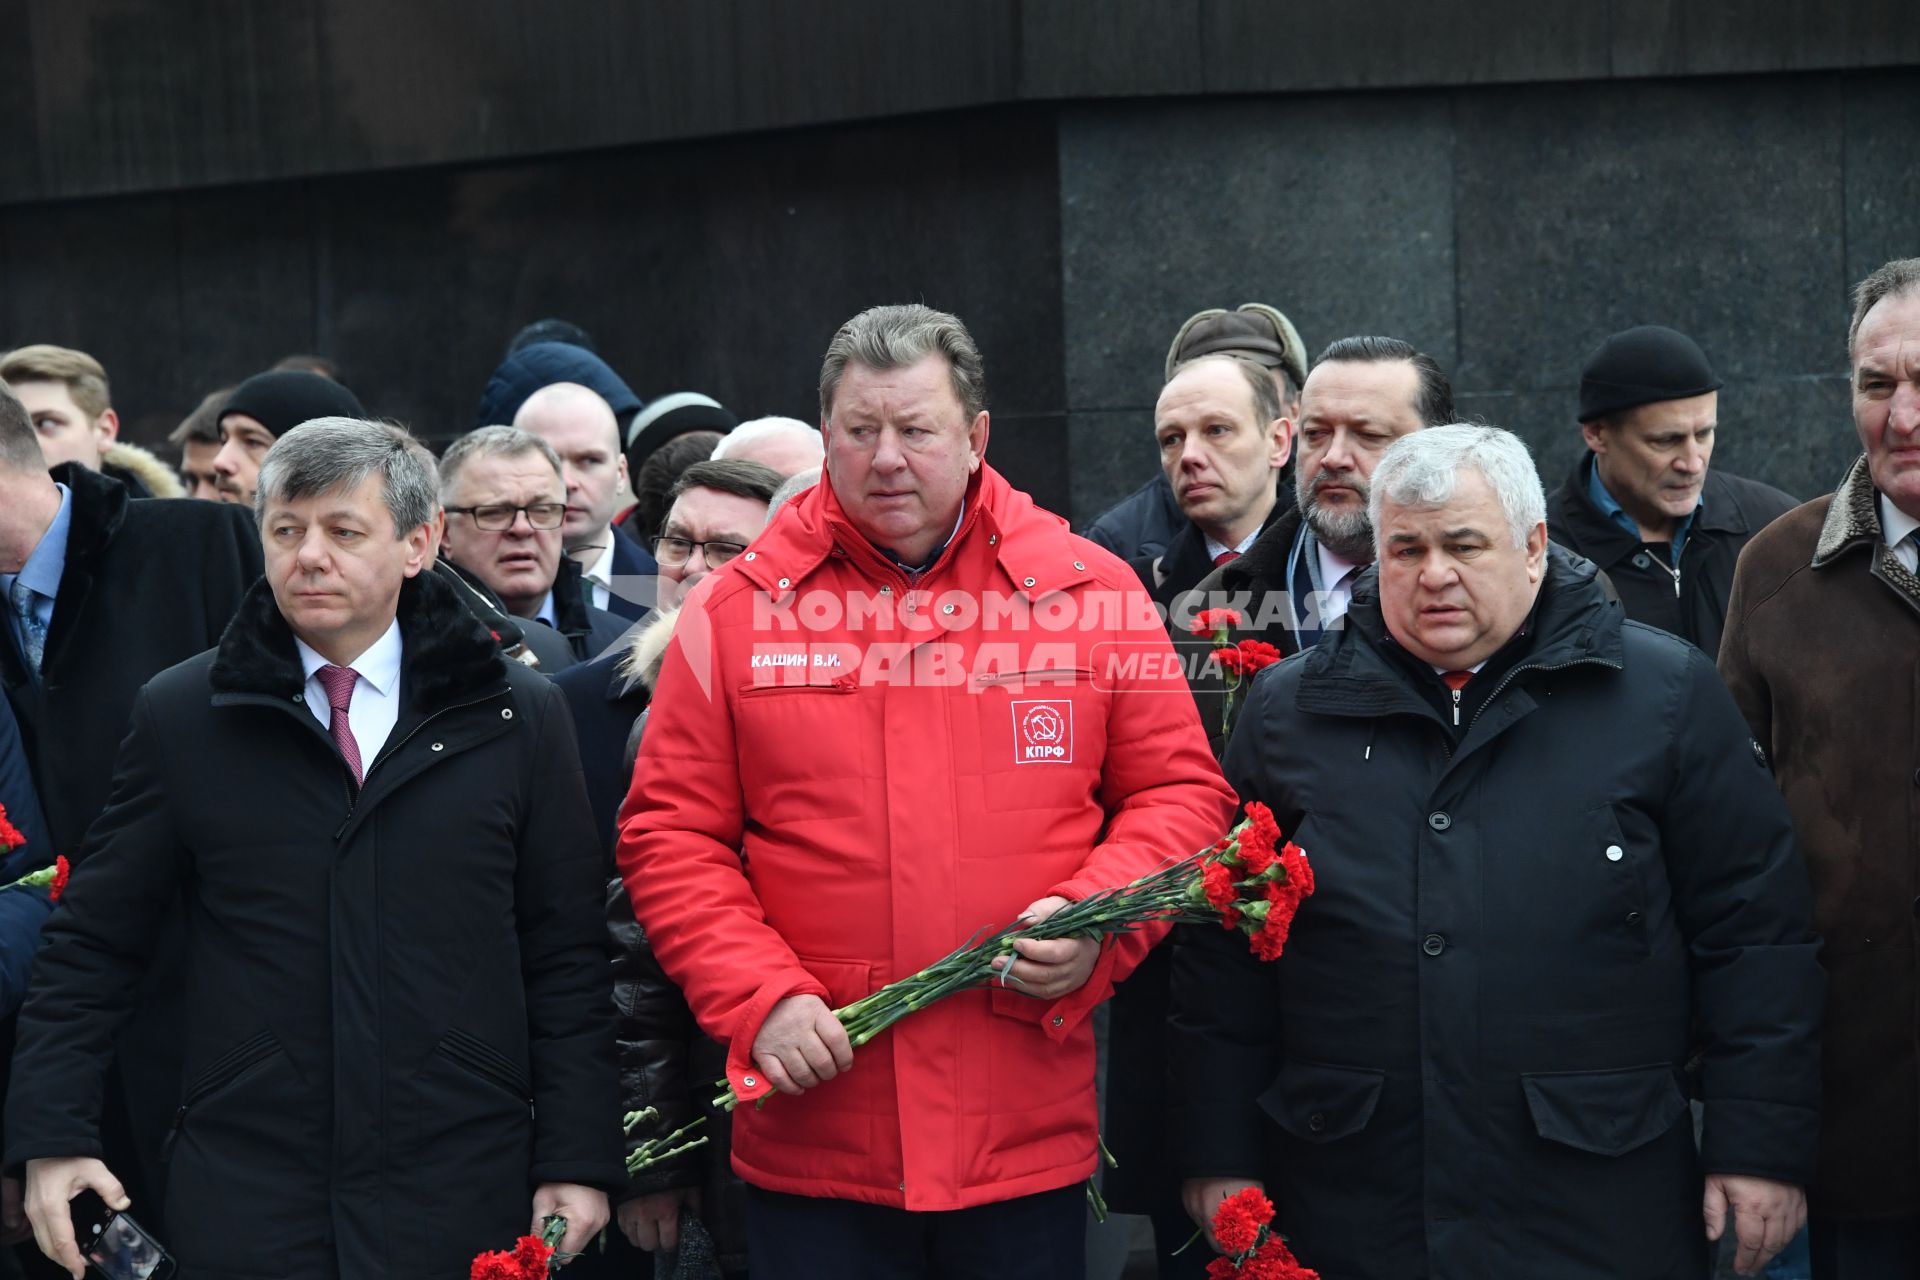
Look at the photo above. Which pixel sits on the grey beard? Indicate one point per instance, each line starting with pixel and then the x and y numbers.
pixel 1348 535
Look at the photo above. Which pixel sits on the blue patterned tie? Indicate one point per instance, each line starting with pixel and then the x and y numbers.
pixel 22 598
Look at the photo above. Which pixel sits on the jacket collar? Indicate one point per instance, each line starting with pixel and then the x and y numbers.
pixel 1348 673
pixel 1599 535
pixel 99 509
pixel 1032 547
pixel 1264 566
pixel 445 652
pixel 1853 521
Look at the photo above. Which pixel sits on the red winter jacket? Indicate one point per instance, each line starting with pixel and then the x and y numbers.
pixel 844 777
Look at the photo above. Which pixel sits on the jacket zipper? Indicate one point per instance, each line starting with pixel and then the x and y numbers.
pixel 237 1063
pixel 1514 674
pixel 1456 708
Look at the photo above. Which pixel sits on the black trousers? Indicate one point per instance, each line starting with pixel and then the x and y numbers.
pixel 1864 1250
pixel 1036 1237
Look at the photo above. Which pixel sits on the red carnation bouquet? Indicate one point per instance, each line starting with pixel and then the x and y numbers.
pixel 531 1258
pixel 1252 1249
pixel 1238 662
pixel 1249 880
pixel 52 878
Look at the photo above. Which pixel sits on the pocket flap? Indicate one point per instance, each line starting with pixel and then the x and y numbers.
pixel 1316 1102
pixel 1606 1112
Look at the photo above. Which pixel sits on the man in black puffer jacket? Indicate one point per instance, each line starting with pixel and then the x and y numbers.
pixel 1552 868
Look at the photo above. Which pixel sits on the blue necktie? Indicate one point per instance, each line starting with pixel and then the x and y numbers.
pixel 32 630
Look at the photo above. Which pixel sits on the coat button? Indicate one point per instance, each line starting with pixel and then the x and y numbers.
pixel 946 608
pixel 993 539
pixel 1633 917
pixel 1027 581
pixel 1439 821
pixel 1615 853
pixel 752 554
pixel 1059 1020
pixel 748 1081
pixel 903 1186
pixel 1079 567
pixel 439 746
pixel 1642 560
pixel 785 583
pixel 1434 944
pixel 299 697
pixel 1317 1122
pixel 506 713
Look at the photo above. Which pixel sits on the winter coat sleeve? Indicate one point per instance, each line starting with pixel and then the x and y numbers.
pixel 97 943
pixel 681 831
pixel 653 1028
pixel 1742 679
pixel 1223 1026
pixel 563 957
pixel 232 562
pixel 1745 906
pixel 1162 793
pixel 22 911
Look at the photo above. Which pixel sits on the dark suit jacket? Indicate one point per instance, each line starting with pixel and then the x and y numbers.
pixel 630 560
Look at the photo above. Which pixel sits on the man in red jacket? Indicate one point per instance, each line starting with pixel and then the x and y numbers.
pixel 916 706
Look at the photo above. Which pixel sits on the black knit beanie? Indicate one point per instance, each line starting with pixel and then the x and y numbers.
pixel 1641 366
pixel 282 399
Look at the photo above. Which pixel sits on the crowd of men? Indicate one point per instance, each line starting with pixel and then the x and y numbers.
pixel 429 815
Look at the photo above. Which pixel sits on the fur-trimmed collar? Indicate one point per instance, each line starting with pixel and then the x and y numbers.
pixel 447 653
pixel 1853 520
pixel 647 650
pixel 141 466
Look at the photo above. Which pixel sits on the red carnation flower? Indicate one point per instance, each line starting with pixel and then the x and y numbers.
pixel 532 1255
pixel 495 1266
pixel 1256 655
pixel 1230 659
pixel 1217 878
pixel 1275 1261
pixel 1218 1269
pixel 1240 1219
pixel 61 870
pixel 1208 621
pixel 11 837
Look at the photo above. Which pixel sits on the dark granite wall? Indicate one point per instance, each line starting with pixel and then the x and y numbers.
pixel 1505 228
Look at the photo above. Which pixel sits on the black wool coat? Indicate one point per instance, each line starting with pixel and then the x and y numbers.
pixel 147 584
pixel 396 1008
pixel 1471 1061
pixel 1696 608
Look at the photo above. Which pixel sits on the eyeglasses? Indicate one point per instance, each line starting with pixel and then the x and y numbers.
pixel 674 552
pixel 498 516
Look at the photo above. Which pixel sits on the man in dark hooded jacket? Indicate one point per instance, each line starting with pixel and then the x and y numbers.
pixel 398 1050
pixel 1551 869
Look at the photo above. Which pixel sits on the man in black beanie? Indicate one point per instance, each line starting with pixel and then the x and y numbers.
pixel 260 411
pixel 1641 503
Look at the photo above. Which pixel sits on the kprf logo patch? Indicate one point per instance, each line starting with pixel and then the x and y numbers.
pixel 1043 732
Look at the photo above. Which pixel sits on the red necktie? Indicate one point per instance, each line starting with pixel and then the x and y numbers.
pixel 1224 557
pixel 1456 680
pixel 338 682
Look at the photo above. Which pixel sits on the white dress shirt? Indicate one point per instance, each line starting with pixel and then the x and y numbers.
pixel 375 707
pixel 1338 574
pixel 1897 527
pixel 1217 549
pixel 600 574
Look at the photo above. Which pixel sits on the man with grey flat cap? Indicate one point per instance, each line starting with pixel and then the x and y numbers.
pixel 1642 502
pixel 1145 521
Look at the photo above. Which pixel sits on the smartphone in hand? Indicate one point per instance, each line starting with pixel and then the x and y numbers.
pixel 114 1245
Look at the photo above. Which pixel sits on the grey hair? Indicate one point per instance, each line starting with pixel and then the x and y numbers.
pixel 1902 275
pixel 894 337
pixel 328 455
pixel 1420 469
pixel 492 442
pixel 764 429
pixel 790 488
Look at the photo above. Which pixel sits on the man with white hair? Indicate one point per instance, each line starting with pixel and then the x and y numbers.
pixel 1553 876
pixel 788 445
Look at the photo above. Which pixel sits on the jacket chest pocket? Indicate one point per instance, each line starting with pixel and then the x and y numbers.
pixel 1042 738
pixel 802 750
pixel 1318 1103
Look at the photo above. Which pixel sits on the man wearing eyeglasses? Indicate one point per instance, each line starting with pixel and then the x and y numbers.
pixel 506 502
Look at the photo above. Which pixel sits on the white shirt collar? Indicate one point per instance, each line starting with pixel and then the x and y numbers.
pixel 1895 525
pixel 379 666
pixel 1333 569
pixel 600 572
pixel 1217 549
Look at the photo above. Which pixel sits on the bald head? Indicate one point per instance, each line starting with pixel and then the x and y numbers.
pixel 580 426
